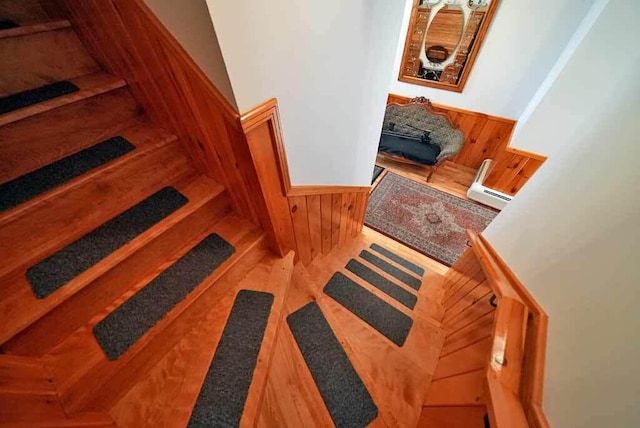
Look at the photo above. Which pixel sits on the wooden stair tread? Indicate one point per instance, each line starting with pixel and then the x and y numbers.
pixel 39 140
pixel 144 137
pixel 90 85
pixel 18 305
pixel 90 204
pixel 88 381
pixel 36 59
pixel 48 331
pixel 396 377
pixel 34 28
pixel 167 395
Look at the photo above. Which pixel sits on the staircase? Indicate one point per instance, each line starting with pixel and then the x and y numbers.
pixel 138 291
pixel 119 257
pixel 396 377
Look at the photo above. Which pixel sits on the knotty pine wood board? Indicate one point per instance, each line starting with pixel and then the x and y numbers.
pixel 486 137
pixel 129 41
pixel 325 208
pixel 300 220
pixel 336 207
pixel 323 222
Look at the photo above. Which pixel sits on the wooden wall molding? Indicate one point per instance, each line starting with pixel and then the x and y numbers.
pixel 488 136
pixel 310 219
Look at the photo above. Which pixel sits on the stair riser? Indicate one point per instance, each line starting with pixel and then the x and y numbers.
pixel 32 143
pixel 39 59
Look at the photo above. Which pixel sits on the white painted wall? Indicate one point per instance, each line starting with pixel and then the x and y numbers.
pixel 190 24
pixel 525 39
pixel 329 63
pixel 573 233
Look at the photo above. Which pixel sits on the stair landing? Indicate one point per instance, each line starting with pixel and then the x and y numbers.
pixel 396 377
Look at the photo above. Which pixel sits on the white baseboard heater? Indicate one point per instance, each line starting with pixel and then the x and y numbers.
pixel 484 195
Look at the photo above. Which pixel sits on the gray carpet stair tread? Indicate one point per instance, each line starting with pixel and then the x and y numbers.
pixel 343 392
pixel 383 284
pixel 30 185
pixel 55 271
pixel 380 315
pixel 226 387
pixel 35 96
pixel 398 259
pixel 130 321
pixel 408 279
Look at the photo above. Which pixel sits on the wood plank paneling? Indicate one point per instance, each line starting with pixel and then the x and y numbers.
pixel 467 324
pixel 326 208
pixel 491 357
pixel 488 137
pixel 312 220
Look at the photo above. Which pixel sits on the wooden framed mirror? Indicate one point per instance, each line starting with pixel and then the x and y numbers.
pixel 443 41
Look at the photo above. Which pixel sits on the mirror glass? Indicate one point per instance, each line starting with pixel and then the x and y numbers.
pixel 443 34
pixel 443 39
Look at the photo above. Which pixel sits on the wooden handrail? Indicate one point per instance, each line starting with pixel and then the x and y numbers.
pixel 515 373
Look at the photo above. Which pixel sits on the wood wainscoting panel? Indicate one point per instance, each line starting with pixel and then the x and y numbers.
pixel 488 137
pixel 312 220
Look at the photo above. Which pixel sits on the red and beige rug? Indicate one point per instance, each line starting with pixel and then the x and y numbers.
pixel 431 221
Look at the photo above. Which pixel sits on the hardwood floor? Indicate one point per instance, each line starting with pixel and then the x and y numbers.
pixel 450 177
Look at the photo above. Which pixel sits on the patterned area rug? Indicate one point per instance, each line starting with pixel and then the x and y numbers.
pixel 431 221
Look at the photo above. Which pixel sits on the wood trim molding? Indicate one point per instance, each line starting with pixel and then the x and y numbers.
pixel 269 112
pixel 532 335
pixel 526 154
pixel 325 190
